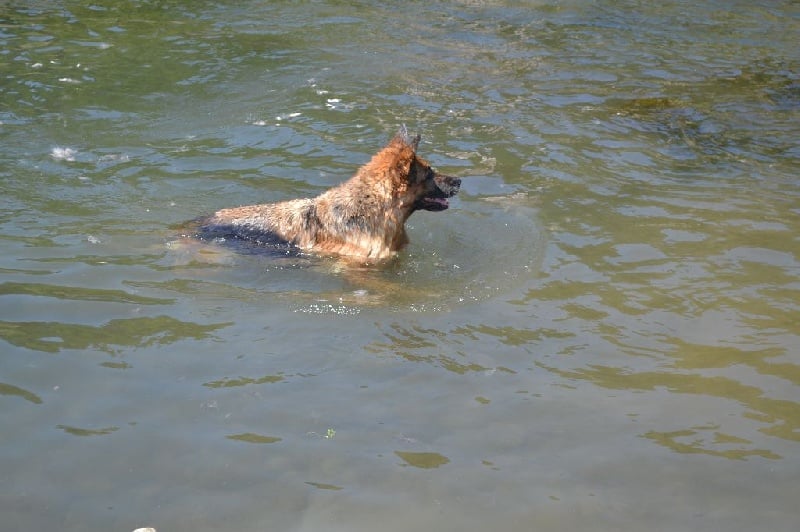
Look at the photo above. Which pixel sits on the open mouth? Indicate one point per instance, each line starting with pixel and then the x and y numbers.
pixel 433 204
pixel 443 187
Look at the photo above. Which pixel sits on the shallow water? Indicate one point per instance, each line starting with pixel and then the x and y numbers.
pixel 600 334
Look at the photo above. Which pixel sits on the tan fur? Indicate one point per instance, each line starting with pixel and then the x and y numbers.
pixel 364 217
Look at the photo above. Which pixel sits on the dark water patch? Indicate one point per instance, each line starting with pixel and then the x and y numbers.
pixel 12 271
pixel 10 389
pixel 136 258
pixel 52 337
pixel 719 117
pixel 324 486
pixel 508 335
pixel 697 441
pixel 79 294
pixel 78 431
pixel 250 437
pixel 244 381
pixel 423 460
pixel 115 365
pixel 420 344
pixel 199 287
pixel 781 417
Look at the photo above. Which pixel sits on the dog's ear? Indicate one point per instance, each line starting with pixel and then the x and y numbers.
pixel 402 134
pixel 415 142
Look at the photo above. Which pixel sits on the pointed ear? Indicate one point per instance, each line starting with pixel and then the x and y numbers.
pixel 415 142
pixel 403 136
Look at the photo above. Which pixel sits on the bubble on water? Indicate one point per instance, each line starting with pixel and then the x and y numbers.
pixel 253 121
pixel 327 308
pixel 121 157
pixel 63 154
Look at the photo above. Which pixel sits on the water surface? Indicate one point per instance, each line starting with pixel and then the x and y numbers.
pixel 601 333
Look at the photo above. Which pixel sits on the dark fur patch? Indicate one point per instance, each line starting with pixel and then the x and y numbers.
pixel 242 238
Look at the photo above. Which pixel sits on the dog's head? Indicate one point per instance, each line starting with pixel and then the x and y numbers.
pixel 432 188
pixel 425 189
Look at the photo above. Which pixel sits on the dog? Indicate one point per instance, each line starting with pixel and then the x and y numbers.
pixel 362 218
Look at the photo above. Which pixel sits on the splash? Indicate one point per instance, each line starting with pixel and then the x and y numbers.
pixel 63 154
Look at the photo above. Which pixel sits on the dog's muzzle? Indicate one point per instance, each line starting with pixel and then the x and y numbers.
pixel 446 187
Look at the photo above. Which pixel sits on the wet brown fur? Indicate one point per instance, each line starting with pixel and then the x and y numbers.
pixel 362 218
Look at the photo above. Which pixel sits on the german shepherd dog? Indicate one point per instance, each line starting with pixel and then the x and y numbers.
pixel 363 218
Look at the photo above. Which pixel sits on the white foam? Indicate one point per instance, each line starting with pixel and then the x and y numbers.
pixel 122 157
pixel 290 115
pixel 63 154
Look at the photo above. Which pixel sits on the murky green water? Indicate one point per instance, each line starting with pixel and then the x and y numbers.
pixel 600 334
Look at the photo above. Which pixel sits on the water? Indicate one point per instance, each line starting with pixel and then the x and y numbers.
pixel 600 334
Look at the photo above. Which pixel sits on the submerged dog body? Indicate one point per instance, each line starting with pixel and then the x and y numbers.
pixel 363 218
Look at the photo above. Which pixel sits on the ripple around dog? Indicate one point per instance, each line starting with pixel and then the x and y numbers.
pixel 453 260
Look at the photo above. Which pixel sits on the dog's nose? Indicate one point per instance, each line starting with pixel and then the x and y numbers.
pixel 452 184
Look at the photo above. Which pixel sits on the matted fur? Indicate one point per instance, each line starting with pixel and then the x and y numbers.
pixel 363 218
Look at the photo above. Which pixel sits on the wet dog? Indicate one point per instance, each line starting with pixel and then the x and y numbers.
pixel 363 218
